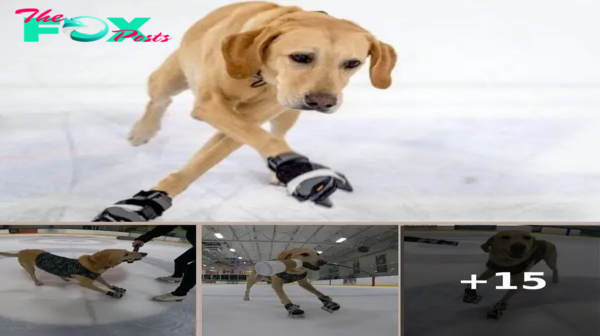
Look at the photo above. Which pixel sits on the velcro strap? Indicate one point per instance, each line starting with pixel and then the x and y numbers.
pixel 293 185
pixel 153 203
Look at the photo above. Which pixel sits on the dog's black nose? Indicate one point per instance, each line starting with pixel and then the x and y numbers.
pixel 517 248
pixel 320 100
pixel 143 254
pixel 321 262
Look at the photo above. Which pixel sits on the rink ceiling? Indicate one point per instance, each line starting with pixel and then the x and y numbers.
pixel 264 242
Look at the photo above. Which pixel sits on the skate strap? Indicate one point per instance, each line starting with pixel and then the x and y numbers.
pixel 325 299
pixel 293 185
pixel 152 203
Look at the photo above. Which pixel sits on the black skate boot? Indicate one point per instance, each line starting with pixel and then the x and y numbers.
pixel 294 310
pixel 471 296
pixel 328 305
pixel 498 310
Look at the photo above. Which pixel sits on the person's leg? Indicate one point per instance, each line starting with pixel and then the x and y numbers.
pixel 180 265
pixel 187 284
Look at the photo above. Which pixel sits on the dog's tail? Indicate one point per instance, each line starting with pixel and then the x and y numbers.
pixel 9 254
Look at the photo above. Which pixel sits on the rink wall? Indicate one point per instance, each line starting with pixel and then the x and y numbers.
pixel 88 233
pixel 383 281
pixel 561 231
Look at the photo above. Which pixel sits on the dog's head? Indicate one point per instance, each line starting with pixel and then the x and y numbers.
pixel 309 57
pixel 310 258
pixel 513 244
pixel 113 257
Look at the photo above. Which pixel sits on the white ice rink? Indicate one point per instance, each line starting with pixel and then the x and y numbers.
pixel 432 297
pixel 64 308
pixel 371 311
pixel 494 115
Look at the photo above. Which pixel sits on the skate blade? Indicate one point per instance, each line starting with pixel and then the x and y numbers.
pixel 494 315
pixel 330 311
pixel 325 203
pixel 474 301
pixel 296 316
pixel 345 186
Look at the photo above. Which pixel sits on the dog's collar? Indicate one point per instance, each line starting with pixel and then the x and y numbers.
pixel 258 80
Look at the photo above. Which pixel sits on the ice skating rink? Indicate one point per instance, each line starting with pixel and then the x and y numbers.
pixel 486 120
pixel 432 294
pixel 371 311
pixel 64 308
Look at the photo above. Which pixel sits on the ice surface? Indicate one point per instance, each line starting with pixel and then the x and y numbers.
pixel 432 294
pixel 365 311
pixel 493 116
pixel 60 307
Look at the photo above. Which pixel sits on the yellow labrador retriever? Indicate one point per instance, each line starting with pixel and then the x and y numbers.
pixel 514 252
pixel 312 261
pixel 86 269
pixel 247 64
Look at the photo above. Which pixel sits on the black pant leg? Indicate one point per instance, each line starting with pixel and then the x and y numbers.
pixel 189 280
pixel 182 261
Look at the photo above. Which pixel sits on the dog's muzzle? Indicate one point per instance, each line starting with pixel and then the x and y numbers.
pixel 312 267
pixel 130 261
pixel 517 251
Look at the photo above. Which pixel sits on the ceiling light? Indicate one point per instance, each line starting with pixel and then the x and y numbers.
pixel 319 252
pixel 239 257
pixel 340 240
pixel 232 250
pixel 218 235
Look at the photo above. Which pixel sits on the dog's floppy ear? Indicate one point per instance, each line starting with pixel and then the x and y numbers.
pixel 284 255
pixel 244 52
pixel 383 61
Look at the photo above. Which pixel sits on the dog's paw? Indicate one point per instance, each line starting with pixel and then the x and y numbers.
pixel 39 283
pixel 246 298
pixel 142 132
pixel 115 295
pixel 555 280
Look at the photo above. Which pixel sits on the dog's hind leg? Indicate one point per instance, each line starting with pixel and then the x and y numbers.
pixel 164 83
pixel 251 281
pixel 30 269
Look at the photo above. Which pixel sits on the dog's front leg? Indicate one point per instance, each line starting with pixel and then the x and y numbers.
pixel 277 285
pixel 470 295
pixel 101 280
pixel 498 310
pixel 89 284
pixel 304 179
pixel 328 304
pixel 160 196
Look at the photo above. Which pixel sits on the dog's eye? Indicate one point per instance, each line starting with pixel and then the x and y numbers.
pixel 305 254
pixel 302 58
pixel 351 64
pixel 126 254
pixel 505 237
